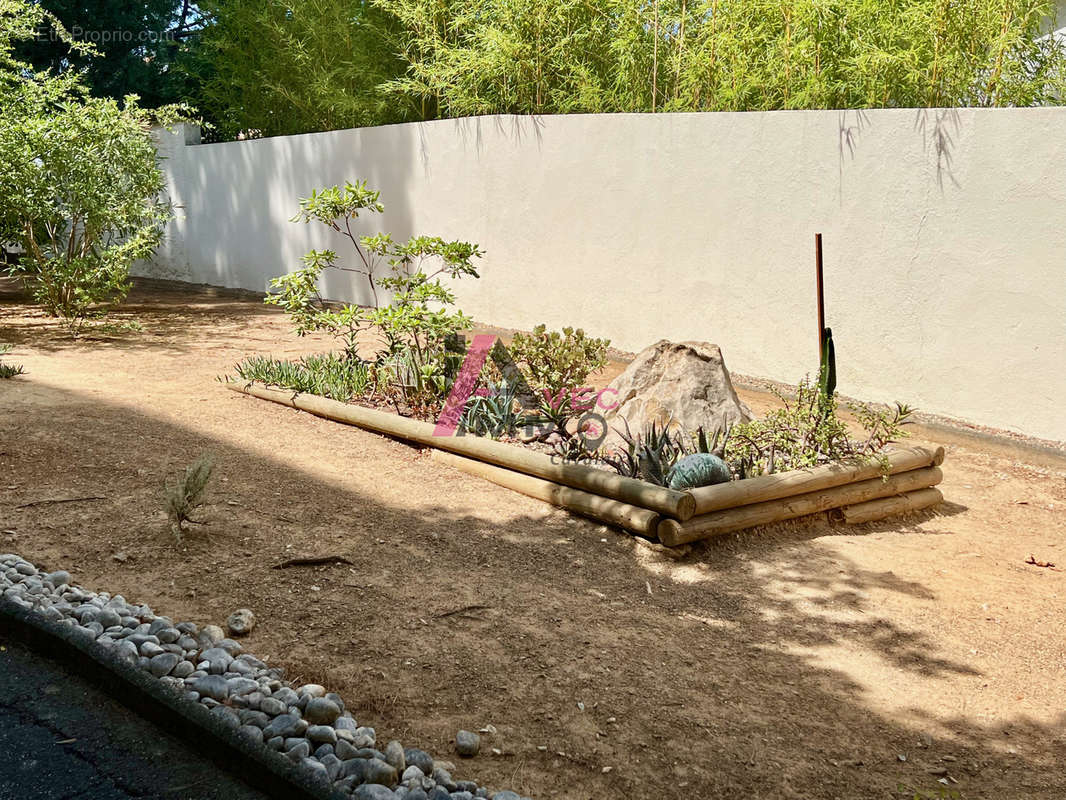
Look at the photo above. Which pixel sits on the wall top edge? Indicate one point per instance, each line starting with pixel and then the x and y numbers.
pixel 193 138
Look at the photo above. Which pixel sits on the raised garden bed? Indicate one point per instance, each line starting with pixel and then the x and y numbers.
pixel 858 493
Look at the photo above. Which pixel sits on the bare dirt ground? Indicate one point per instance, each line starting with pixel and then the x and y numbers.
pixel 803 660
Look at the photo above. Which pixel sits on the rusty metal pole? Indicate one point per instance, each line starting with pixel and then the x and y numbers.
pixel 821 295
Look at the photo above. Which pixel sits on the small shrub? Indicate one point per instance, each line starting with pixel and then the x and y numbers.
pixel 9 370
pixel 185 494
pixel 555 366
pixel 417 328
pixel 85 205
pixel 558 361
pixel 808 432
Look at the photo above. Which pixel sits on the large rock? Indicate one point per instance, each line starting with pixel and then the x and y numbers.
pixel 681 384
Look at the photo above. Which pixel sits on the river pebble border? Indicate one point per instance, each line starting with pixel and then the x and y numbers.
pixel 306 723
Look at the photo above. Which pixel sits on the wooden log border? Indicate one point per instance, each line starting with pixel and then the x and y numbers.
pixel 801 481
pixel 679 505
pixel 638 520
pixel 727 520
pixel 863 492
pixel 874 510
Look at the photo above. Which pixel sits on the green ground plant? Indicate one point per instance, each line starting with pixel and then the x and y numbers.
pixel 939 793
pixel 808 431
pixel 653 454
pixel 327 375
pixel 557 361
pixel 555 365
pixel 495 411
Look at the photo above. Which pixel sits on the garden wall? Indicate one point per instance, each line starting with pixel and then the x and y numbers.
pixel 945 236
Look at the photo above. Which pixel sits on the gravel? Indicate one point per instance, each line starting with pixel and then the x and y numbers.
pixel 307 723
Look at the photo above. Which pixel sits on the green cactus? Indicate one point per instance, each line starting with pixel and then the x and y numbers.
pixel 698 469
pixel 827 371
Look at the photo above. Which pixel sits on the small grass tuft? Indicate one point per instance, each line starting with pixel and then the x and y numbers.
pixel 9 370
pixel 185 495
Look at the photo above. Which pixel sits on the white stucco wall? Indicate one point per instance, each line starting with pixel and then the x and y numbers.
pixel 945 279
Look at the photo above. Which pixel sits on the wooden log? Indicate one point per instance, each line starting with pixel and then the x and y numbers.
pixel 673 533
pixel 604 509
pixel 888 506
pixel 788 484
pixel 678 505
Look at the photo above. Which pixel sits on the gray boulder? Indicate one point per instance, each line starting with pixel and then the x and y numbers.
pixel 680 384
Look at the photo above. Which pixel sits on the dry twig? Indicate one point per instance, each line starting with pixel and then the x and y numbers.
pixel 311 561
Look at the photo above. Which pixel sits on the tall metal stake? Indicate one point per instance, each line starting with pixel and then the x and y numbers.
pixel 821 295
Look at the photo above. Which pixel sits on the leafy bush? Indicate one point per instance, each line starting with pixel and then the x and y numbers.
pixel 555 366
pixel 417 330
pixel 9 370
pixel 186 493
pixel 79 184
pixel 558 361
pixel 326 375
pixel 89 204
pixel 808 431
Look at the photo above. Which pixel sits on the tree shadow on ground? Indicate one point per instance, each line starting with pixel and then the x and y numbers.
pixel 155 316
pixel 464 604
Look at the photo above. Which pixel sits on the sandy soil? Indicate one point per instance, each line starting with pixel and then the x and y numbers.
pixel 802 660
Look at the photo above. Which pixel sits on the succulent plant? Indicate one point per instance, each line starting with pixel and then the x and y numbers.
pixel 656 455
pixel 699 469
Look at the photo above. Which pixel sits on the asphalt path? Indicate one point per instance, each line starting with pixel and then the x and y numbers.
pixel 63 739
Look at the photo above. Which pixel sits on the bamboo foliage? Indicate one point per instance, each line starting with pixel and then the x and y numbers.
pixel 276 67
pixel 270 67
pixel 534 56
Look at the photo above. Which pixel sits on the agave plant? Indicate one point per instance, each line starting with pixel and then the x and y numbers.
pixel 648 455
pixel 494 413
pixel 656 456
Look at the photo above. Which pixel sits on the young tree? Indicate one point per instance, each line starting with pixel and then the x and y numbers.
pixel 79 184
